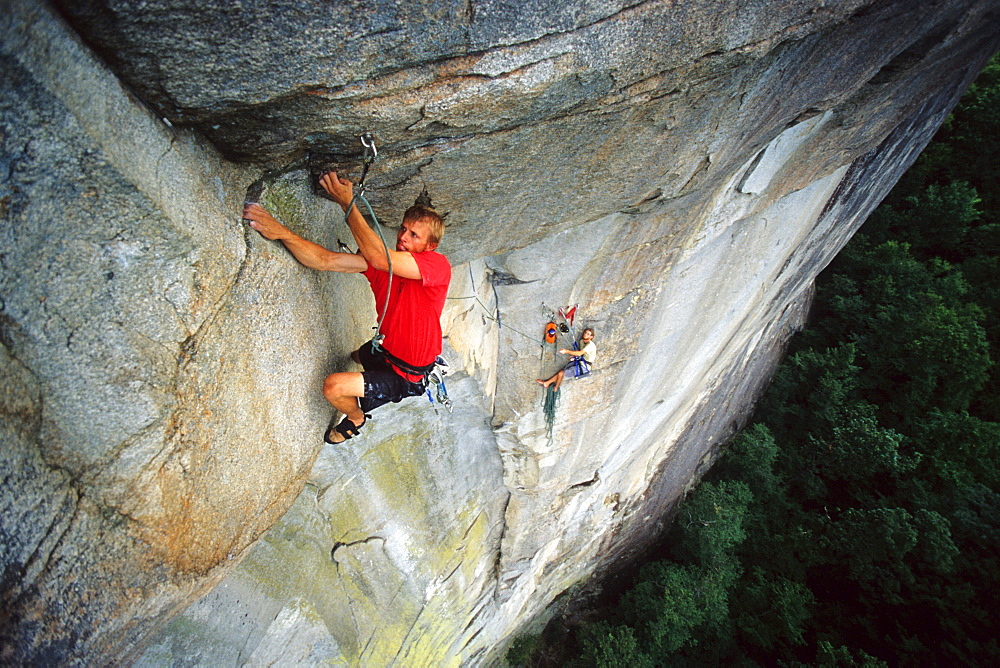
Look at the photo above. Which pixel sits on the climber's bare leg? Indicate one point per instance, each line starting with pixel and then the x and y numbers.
pixel 342 391
pixel 557 379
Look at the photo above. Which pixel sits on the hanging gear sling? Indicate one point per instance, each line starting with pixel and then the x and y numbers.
pixel 436 378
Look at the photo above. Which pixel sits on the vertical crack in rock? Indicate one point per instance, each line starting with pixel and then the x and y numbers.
pixel 190 344
pixel 403 646
pixel 472 525
pixel 364 650
pixel 244 646
pixel 52 552
pixel 340 545
pixel 355 624
pixel 750 170
pixel 90 473
pixel 498 561
pixel 475 635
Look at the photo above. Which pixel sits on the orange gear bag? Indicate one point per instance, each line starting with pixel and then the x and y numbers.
pixel 550 332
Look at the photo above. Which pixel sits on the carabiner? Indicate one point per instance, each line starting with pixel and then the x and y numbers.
pixel 371 152
pixel 368 141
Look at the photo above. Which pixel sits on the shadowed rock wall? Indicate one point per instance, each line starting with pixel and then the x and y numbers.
pixel 681 170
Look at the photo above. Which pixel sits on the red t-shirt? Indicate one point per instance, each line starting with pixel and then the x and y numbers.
pixel 412 325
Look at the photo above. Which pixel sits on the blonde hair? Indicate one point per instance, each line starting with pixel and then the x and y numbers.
pixel 425 214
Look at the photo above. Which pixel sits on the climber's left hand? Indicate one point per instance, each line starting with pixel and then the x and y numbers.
pixel 262 221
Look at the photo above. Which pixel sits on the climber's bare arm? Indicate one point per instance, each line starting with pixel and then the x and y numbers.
pixel 574 353
pixel 308 253
pixel 369 243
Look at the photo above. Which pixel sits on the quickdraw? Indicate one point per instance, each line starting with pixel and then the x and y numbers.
pixel 436 378
pixel 371 152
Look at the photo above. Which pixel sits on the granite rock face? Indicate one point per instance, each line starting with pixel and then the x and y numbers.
pixel 681 170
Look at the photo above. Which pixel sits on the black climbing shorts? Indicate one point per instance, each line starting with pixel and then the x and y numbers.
pixel 382 383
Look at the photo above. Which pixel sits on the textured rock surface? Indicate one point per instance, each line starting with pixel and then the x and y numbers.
pixel 682 170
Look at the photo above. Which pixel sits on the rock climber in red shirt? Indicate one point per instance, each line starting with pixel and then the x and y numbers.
pixel 412 324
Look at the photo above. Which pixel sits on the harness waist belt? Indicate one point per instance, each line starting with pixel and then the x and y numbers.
pixel 405 366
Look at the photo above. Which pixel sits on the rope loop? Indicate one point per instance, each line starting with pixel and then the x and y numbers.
pixel 371 152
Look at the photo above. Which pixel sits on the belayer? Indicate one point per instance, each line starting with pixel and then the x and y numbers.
pixel 580 361
pixel 398 367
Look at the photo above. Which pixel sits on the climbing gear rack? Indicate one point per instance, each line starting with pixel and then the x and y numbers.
pixel 436 379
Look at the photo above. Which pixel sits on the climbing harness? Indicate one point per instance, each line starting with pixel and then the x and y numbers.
pixel 580 365
pixel 403 366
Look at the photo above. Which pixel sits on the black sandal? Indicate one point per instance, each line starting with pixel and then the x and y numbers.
pixel 346 428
